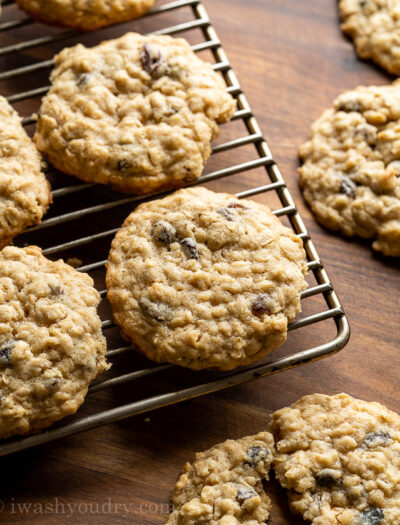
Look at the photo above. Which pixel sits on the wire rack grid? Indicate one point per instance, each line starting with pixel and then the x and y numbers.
pixel 78 205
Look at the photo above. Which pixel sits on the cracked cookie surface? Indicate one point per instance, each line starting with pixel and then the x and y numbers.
pixel 374 25
pixel 350 175
pixel 223 485
pixel 203 279
pixel 25 191
pixel 138 113
pixel 339 457
pixel 51 344
pixel 85 15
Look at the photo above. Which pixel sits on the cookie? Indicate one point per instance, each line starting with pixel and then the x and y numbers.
pixel 351 173
pixel 84 15
pixel 51 345
pixel 374 26
pixel 223 486
pixel 25 192
pixel 339 458
pixel 137 113
pixel 203 279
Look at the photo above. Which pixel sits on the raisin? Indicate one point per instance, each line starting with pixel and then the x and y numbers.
pixel 237 205
pixel 52 385
pixel 350 105
pixel 368 133
pixel 83 79
pixel 376 439
pixel 164 233
pixel 55 289
pixel 153 61
pixel 123 165
pixel 158 311
pixel 347 187
pixel 245 493
pixel 225 212
pixel 328 477
pixel 189 246
pixel 363 3
pixel 260 305
pixel 372 516
pixel 5 352
pixel 256 454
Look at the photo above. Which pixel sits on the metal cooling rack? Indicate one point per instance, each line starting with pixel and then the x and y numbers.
pixel 76 205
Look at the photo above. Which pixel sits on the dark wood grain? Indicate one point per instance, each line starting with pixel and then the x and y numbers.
pixel 292 60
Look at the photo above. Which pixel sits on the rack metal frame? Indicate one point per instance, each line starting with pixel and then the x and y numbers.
pixel 275 183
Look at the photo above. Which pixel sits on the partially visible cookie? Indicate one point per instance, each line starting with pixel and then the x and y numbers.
pixel 84 15
pixel 24 190
pixel 351 166
pixel 51 344
pixel 374 25
pixel 339 457
pixel 138 113
pixel 205 280
pixel 223 486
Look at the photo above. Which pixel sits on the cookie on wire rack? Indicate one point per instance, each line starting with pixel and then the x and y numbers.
pixel 374 25
pixel 85 15
pixel 138 113
pixel 350 175
pixel 205 280
pixel 24 190
pixel 224 485
pixel 51 343
pixel 339 458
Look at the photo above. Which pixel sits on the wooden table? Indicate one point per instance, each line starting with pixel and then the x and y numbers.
pixel 292 60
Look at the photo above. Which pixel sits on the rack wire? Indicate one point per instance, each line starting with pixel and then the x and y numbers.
pixel 80 212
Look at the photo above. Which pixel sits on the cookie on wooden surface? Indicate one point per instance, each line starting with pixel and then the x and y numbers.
pixel 339 457
pixel 351 166
pixel 374 25
pixel 223 486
